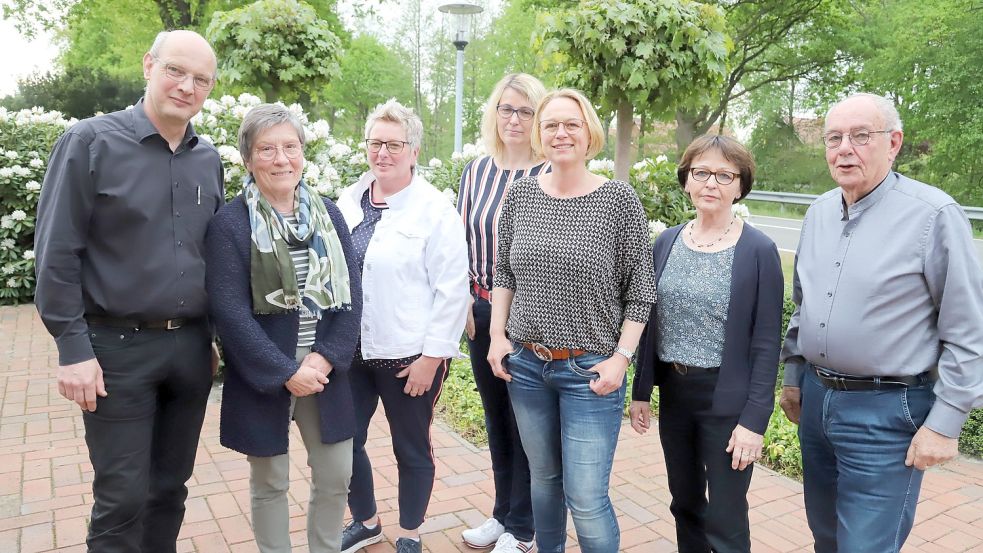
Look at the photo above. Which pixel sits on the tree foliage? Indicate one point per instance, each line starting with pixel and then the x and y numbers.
pixel 649 55
pixel 279 47
pixel 370 74
pixel 77 92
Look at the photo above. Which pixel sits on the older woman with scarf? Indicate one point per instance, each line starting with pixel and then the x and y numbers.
pixel 285 297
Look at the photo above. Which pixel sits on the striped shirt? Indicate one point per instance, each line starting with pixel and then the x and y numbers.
pixel 308 321
pixel 479 201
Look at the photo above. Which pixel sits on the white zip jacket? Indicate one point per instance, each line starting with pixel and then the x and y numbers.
pixel 415 277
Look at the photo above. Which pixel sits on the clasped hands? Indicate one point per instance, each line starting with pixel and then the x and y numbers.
pixel 311 377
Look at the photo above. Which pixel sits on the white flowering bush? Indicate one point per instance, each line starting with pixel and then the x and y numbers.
pixel 330 164
pixel 446 175
pixel 654 180
pixel 26 138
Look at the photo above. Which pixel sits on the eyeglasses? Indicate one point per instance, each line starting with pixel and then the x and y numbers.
pixel 857 138
pixel 392 146
pixel 293 150
pixel 177 74
pixel 572 126
pixel 505 111
pixel 722 177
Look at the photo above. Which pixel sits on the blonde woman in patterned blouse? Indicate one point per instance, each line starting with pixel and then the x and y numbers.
pixel 573 290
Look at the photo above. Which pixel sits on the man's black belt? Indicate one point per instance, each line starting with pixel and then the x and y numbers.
pixel 684 369
pixel 849 383
pixel 166 324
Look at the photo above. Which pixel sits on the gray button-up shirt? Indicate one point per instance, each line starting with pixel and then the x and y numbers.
pixel 891 286
pixel 121 227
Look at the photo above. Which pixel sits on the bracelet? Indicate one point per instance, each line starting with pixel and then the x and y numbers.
pixel 625 352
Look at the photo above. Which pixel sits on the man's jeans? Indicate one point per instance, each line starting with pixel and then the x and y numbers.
pixel 569 434
pixel 859 495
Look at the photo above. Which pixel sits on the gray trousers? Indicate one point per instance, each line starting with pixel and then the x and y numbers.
pixel 331 473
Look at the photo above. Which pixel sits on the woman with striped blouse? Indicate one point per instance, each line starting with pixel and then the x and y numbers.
pixel 506 128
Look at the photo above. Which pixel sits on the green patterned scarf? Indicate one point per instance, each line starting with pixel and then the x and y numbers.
pixel 272 274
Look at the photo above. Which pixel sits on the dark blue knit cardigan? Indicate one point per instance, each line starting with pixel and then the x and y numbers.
pixel 260 350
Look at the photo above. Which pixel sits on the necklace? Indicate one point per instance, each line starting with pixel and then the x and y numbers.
pixel 708 244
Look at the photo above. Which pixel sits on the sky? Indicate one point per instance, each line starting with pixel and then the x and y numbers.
pixel 22 57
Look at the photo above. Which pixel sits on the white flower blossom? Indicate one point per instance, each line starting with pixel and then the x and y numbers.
pixel 36 163
pixel 211 106
pixel 449 192
pixel 11 283
pixel 227 101
pixel 206 138
pixel 435 163
pixel 10 154
pixel 741 211
pixel 196 119
pixel 339 151
pixel 250 100
pixel 6 222
pixel 32 185
pixel 6 172
pixel 239 111
pixel 230 154
pixel 312 172
pixel 7 244
pixel 8 270
pixel 331 174
pixel 4 115
pixel 321 129
pixel 456 156
pixel 656 228
pixel 21 171
pixel 18 215
pixel 357 159
pixel 600 165
pixel 661 159
pixel 639 165
pixel 28 254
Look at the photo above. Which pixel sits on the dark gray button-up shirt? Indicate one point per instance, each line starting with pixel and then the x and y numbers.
pixel 121 227
pixel 891 286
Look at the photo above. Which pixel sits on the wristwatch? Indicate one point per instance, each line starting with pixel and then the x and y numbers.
pixel 630 355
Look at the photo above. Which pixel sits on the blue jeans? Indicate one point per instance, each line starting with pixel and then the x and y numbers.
pixel 569 434
pixel 859 495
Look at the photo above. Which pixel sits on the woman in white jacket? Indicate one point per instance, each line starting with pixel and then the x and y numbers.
pixel 410 244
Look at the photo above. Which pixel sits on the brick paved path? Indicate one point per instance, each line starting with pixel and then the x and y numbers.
pixel 45 480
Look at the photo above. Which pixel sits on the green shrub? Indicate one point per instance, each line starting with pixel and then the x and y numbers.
pixel 76 92
pixel 971 439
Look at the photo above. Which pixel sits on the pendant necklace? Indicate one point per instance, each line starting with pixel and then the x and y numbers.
pixel 708 244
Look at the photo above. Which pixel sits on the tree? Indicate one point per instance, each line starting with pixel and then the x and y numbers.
pixel 775 41
pixel 371 73
pixel 654 55
pixel 280 47
pixel 78 92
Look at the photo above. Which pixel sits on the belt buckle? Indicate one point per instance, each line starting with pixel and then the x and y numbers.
pixel 542 352
pixel 172 324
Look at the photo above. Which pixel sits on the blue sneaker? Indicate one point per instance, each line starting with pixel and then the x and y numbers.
pixel 356 536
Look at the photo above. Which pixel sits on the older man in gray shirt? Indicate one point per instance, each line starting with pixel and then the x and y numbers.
pixel 884 353
pixel 121 287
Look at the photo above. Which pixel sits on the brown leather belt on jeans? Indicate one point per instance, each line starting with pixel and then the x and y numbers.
pixel 167 324
pixel 546 354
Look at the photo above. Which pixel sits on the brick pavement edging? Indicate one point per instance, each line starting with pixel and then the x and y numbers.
pixel 45 478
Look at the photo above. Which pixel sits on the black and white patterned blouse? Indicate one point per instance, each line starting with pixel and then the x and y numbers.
pixel 578 266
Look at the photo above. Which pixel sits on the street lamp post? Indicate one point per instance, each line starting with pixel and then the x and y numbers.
pixel 461 13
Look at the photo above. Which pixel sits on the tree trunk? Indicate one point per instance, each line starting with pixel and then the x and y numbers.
pixel 643 122
pixel 685 131
pixel 622 149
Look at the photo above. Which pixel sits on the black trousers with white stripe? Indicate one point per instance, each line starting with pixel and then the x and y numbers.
pixel 409 420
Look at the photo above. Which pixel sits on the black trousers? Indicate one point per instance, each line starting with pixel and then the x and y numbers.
pixel 143 435
pixel 409 420
pixel 510 467
pixel 698 466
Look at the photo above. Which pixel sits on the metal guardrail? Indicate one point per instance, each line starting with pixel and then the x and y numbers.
pixel 973 213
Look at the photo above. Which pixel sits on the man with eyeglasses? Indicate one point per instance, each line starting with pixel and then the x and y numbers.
pixel 884 352
pixel 121 288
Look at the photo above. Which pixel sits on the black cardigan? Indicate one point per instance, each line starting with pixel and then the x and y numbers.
pixel 260 350
pixel 752 335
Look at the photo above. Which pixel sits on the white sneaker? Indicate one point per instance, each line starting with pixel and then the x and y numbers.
pixel 508 544
pixel 484 535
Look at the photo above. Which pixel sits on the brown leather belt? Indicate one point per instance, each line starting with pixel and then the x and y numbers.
pixel 167 324
pixel 546 354
pixel 481 292
pixel 683 369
